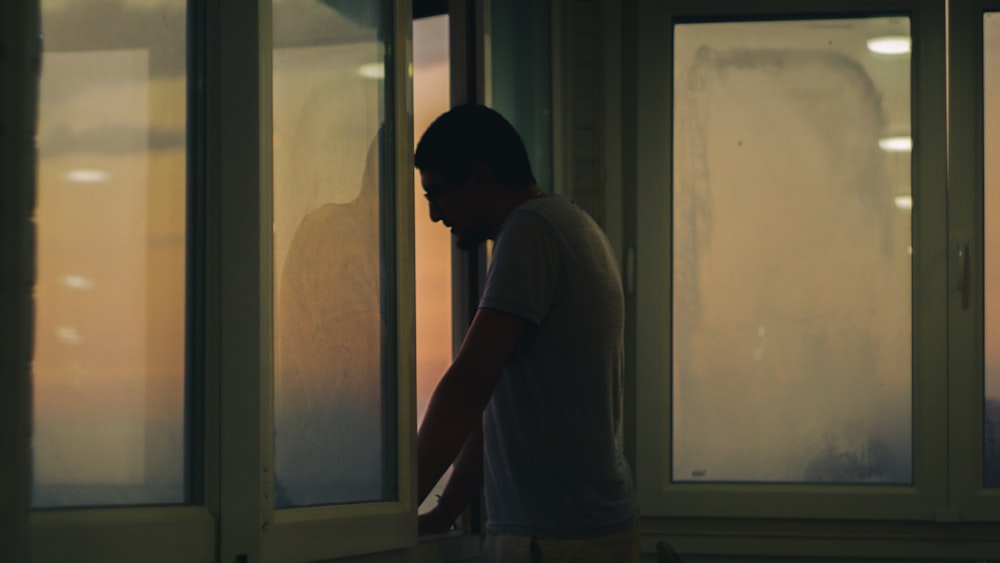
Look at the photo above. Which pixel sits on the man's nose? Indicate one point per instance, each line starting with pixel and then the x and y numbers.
pixel 434 212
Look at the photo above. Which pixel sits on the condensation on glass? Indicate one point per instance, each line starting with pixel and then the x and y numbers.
pixel 432 241
pixel 108 368
pixel 792 252
pixel 991 153
pixel 331 270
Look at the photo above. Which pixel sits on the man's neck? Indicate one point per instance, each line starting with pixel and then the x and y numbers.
pixel 506 202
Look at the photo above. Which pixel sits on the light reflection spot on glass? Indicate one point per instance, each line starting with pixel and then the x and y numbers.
pixel 86 176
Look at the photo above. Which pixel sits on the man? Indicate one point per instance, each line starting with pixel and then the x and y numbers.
pixel 532 404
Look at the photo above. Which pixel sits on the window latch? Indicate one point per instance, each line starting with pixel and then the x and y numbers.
pixel 962 273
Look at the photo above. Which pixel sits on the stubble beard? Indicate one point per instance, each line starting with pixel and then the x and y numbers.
pixel 470 242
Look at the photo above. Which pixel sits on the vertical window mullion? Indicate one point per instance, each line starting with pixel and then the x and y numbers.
pixel 965 306
pixel 239 70
pixel 929 166
pixel 200 433
pixel 19 73
pixel 972 422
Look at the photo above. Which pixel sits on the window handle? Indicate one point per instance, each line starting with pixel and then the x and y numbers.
pixel 962 277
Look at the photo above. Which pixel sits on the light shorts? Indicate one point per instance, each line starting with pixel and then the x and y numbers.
pixel 619 547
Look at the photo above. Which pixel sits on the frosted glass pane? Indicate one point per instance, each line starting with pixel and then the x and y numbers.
pixel 991 99
pixel 330 286
pixel 431 98
pixel 792 253
pixel 108 369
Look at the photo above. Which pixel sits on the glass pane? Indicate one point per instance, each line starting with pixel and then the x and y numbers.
pixel 991 128
pixel 332 284
pixel 792 256
pixel 109 410
pixel 431 97
pixel 521 80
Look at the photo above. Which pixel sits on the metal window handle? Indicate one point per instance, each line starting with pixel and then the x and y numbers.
pixel 962 277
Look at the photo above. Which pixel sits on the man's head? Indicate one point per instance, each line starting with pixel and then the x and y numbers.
pixel 468 158
pixel 471 134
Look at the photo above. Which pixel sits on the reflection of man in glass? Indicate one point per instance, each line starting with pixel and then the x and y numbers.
pixel 532 405
pixel 328 359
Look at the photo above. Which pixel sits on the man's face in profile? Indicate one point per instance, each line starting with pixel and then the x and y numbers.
pixel 455 203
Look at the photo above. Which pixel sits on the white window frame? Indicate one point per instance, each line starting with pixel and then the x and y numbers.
pixel 966 338
pixel 253 526
pixel 130 533
pixel 802 519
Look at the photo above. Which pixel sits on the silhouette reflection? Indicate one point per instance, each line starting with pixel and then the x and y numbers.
pixel 328 358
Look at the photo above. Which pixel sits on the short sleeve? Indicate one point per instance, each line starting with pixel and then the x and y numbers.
pixel 524 271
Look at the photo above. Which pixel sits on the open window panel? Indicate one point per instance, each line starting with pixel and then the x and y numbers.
pixel 974 208
pixel 342 281
pixel 791 284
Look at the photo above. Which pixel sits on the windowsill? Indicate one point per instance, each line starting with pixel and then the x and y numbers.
pixel 446 547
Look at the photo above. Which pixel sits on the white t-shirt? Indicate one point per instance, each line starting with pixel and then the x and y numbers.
pixel 553 452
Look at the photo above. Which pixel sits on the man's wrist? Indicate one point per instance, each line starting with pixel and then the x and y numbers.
pixel 446 507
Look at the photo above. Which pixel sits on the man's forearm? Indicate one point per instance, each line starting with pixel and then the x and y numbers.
pixel 466 480
pixel 456 407
pixel 449 421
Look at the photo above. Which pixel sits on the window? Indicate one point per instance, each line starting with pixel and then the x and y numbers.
pixel 809 378
pixel 195 165
pixel 115 452
pixel 342 265
pixel 109 373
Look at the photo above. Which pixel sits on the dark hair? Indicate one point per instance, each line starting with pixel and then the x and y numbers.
pixel 472 134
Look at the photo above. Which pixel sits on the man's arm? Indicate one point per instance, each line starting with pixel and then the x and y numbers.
pixel 465 483
pixel 456 407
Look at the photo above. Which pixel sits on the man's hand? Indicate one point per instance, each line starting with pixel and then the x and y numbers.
pixel 462 487
pixel 434 522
